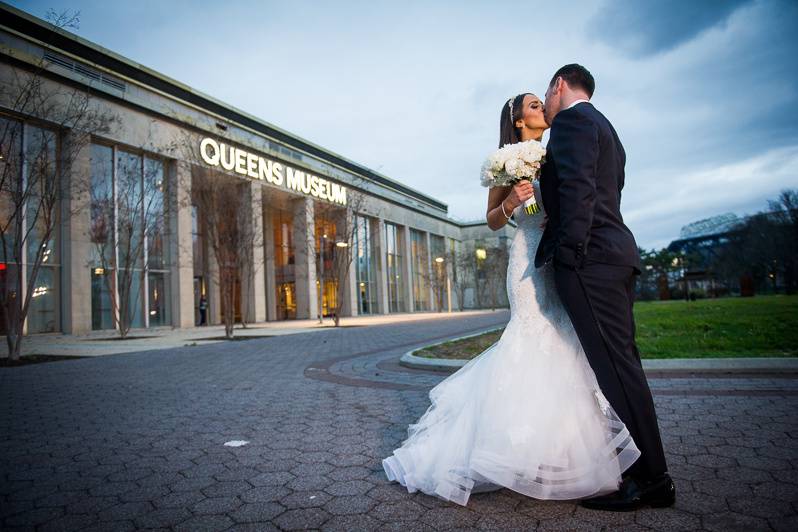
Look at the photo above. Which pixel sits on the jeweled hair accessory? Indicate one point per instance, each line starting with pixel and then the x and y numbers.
pixel 510 105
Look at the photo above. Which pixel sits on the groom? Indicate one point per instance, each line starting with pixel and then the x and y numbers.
pixel 595 261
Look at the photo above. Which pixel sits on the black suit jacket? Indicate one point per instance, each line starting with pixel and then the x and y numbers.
pixel 581 185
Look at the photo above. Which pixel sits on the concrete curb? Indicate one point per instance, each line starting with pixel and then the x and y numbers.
pixel 715 365
pixel 730 364
pixel 410 360
pixel 100 343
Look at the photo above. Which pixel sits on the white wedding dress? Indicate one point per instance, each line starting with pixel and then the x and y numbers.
pixel 526 414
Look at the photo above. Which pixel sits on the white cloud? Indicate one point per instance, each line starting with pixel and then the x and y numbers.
pixel 678 199
pixel 413 89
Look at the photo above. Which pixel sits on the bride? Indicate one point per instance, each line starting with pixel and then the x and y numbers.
pixel 527 413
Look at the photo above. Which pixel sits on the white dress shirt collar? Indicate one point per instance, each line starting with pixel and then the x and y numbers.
pixel 576 102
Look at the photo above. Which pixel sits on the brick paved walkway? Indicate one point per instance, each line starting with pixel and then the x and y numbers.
pixel 136 441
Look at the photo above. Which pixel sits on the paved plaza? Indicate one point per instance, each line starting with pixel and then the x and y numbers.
pixel 136 440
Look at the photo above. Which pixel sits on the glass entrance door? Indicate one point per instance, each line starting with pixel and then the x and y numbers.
pixel 200 306
pixel 286 301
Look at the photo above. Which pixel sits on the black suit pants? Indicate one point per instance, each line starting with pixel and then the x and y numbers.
pixel 599 298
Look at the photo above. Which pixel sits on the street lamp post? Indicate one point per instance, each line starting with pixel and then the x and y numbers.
pixel 339 274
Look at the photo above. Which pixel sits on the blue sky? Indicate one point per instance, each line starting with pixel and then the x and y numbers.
pixel 704 95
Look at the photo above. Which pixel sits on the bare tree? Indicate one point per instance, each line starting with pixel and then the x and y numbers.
pixel 495 268
pixel 226 204
pixel 658 267
pixel 231 236
pixel 463 272
pixel 784 213
pixel 341 249
pixel 48 126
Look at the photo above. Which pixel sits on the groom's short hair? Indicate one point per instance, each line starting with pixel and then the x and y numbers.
pixel 576 76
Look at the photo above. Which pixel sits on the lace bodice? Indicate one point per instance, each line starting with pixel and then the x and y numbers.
pixel 530 291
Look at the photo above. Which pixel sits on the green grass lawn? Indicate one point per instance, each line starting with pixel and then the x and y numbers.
pixel 762 326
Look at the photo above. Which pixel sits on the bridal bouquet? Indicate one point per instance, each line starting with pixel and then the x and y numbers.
pixel 513 162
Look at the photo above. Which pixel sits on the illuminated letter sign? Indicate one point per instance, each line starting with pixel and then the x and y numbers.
pixel 253 166
pixel 210 156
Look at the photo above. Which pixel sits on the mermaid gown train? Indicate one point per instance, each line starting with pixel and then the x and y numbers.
pixel 526 414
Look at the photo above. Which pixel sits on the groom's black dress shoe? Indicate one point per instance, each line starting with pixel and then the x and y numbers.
pixel 658 493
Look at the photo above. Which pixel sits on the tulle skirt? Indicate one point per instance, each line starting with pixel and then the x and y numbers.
pixel 526 414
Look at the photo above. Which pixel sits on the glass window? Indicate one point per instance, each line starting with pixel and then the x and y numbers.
pixel 40 146
pixel 42 178
pixel 8 276
pixel 286 301
pixel 420 269
pixel 128 230
pixel 325 233
pixel 439 263
pixel 103 260
pixel 102 206
pixel 158 299
pixel 129 209
pixel 28 188
pixel 130 286
pixel 155 214
pixel 197 244
pixel 365 267
pixel 43 313
pixel 393 261
pixel 11 168
pixel 102 310
pixel 453 267
pixel 284 264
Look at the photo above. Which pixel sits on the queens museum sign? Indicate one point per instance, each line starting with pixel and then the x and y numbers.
pixel 254 166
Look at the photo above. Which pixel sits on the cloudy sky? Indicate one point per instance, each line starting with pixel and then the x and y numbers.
pixel 704 95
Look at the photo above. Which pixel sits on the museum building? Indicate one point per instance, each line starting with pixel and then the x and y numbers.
pixel 166 138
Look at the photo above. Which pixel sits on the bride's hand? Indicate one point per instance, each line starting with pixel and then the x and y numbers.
pixel 521 192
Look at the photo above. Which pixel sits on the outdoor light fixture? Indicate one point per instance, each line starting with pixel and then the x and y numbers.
pixel 342 244
pixel 39 291
pixel 482 254
pixel 438 259
pixel 99 271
